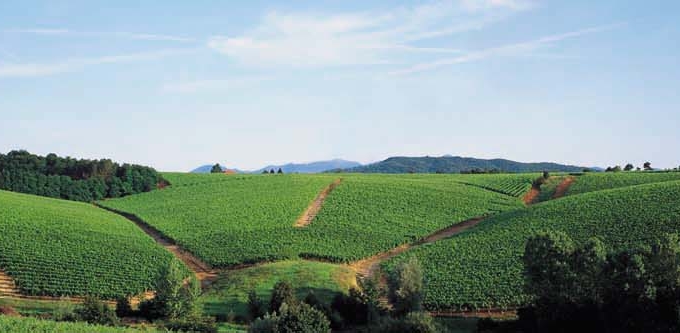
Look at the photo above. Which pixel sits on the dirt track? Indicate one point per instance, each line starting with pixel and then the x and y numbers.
pixel 563 187
pixel 369 266
pixel 204 273
pixel 314 208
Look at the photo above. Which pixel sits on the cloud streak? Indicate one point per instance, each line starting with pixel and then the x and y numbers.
pixel 510 49
pixel 20 70
pixel 362 38
pixel 125 35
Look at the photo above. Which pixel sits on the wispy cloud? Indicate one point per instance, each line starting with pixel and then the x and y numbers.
pixel 212 85
pixel 117 34
pixel 510 49
pixel 315 40
pixel 46 69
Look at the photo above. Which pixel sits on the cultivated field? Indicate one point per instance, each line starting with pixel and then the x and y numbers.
pixel 56 247
pixel 230 220
pixel 482 268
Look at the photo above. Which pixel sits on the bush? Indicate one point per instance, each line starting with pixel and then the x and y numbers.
pixel 406 287
pixel 283 293
pixel 94 311
pixel 123 307
pixel 256 308
pixel 414 322
pixel 192 323
pixel 266 324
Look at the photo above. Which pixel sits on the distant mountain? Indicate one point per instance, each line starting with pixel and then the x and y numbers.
pixel 456 164
pixel 313 167
pixel 206 169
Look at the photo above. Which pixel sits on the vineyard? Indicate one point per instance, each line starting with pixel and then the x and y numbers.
pixel 481 268
pixel 33 325
pixel 514 185
pixel 54 247
pixel 230 220
pixel 608 180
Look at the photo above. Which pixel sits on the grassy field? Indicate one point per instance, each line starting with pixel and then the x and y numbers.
pixel 607 180
pixel 33 325
pixel 56 247
pixel 228 220
pixel 481 268
pixel 229 294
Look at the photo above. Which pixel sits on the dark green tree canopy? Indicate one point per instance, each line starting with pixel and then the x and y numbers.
pixel 216 168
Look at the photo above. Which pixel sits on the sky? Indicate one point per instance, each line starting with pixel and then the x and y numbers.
pixel 179 84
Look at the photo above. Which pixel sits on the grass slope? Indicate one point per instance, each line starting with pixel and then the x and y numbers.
pixel 590 182
pixel 482 268
pixel 57 247
pixel 33 325
pixel 230 292
pixel 228 220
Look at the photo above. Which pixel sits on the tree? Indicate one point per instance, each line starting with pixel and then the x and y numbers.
pixel 617 168
pixel 271 171
pixel 256 308
pixel 628 167
pixel 123 307
pixel 406 287
pixel 280 171
pixel 216 168
pixel 94 311
pixel 301 318
pixel 283 293
pixel 546 174
pixel 265 171
pixel 647 166
pixel 174 298
pixel 546 264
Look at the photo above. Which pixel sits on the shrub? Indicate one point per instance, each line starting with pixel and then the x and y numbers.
pixel 414 322
pixel 301 318
pixel 123 307
pixel 192 323
pixel 94 311
pixel 256 308
pixel 283 293
pixel 406 287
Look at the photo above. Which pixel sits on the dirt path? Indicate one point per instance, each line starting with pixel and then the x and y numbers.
pixel 563 187
pixel 530 197
pixel 204 273
pixel 314 208
pixel 369 266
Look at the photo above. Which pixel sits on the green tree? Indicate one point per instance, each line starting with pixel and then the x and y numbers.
pixel 301 318
pixel 216 168
pixel 94 311
pixel 283 293
pixel 406 287
pixel 170 297
pixel 280 171
pixel 647 166
pixel 256 308
pixel 628 167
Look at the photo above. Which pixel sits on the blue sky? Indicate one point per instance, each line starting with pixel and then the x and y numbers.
pixel 179 84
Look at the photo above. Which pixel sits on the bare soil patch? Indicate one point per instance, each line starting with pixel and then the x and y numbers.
pixel 563 187
pixel 531 196
pixel 314 208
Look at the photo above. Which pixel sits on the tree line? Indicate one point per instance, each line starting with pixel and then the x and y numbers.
pixel 74 179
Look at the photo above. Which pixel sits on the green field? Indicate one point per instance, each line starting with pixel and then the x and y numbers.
pixel 56 247
pixel 33 325
pixel 228 220
pixel 482 268
pixel 607 180
pixel 230 292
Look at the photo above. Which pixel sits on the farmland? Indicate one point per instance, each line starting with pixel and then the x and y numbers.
pixel 601 181
pixel 244 219
pixel 56 247
pixel 481 268
pixel 32 325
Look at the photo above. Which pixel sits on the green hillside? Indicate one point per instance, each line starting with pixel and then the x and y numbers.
pixel 607 180
pixel 33 325
pixel 57 247
pixel 227 220
pixel 481 268
pixel 457 164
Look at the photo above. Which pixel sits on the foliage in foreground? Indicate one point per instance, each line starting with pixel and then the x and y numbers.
pixel 33 325
pixel 585 289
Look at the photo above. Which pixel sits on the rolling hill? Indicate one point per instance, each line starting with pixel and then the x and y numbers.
pixel 457 164
pixel 312 167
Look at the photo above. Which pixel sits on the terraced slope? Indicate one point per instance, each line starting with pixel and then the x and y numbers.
pixel 55 247
pixel 230 220
pixel 590 182
pixel 481 268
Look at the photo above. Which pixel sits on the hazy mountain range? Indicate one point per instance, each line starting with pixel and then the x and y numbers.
pixel 312 167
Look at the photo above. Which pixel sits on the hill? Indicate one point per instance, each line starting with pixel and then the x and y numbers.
pixel 312 167
pixel 482 268
pixel 457 164
pixel 57 247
